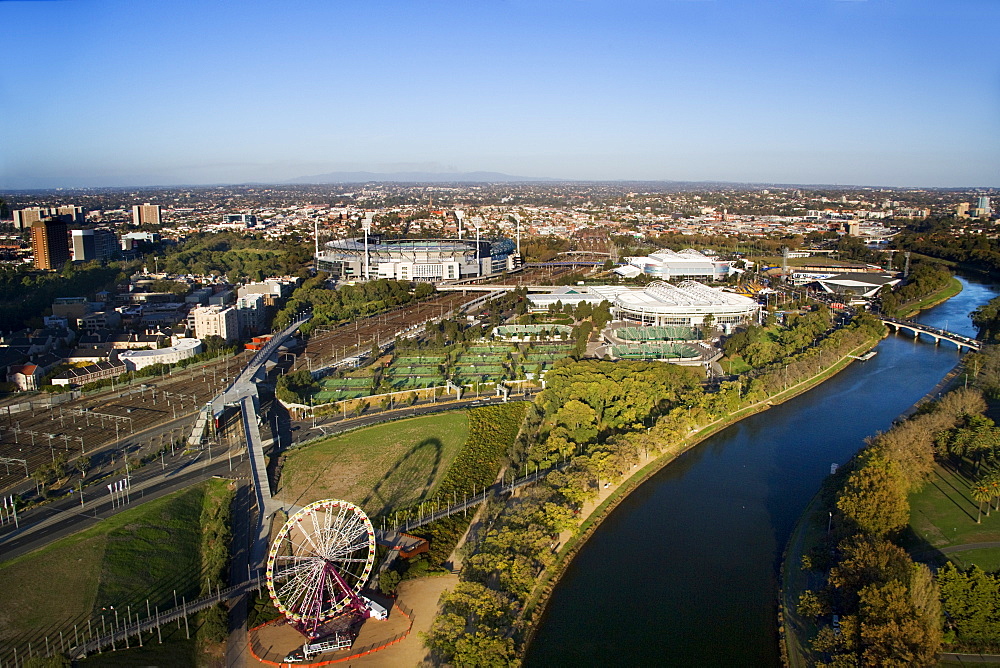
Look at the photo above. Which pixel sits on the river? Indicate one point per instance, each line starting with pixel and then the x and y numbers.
pixel 684 572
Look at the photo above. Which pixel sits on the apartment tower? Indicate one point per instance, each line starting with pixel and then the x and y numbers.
pixel 49 243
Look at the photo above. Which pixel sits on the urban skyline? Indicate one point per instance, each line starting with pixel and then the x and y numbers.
pixel 872 92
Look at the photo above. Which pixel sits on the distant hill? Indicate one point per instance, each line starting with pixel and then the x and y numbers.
pixel 416 177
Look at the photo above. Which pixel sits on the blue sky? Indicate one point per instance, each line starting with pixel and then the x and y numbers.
pixel 871 92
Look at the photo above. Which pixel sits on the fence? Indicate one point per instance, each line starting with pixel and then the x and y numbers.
pixel 92 635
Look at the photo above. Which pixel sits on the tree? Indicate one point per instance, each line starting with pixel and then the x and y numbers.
pixel 981 494
pixel 213 344
pixel 810 606
pixel 874 497
pixel 83 464
pixel 892 632
pixel 969 599
pixel 867 560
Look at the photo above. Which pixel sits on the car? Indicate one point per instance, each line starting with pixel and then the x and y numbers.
pixel 296 427
pixel 295 657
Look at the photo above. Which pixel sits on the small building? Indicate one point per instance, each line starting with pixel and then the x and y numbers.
pixel 182 350
pixel 24 376
pixel 76 376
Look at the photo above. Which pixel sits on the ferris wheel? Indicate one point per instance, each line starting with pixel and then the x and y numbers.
pixel 318 563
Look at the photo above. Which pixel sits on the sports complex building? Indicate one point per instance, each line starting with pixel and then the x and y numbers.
pixel 668 264
pixel 659 304
pixel 425 260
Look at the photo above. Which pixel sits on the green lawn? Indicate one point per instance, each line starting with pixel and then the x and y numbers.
pixel 735 364
pixel 942 515
pixel 145 551
pixel 379 468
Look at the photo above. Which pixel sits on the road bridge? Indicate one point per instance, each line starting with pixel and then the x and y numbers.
pixel 935 333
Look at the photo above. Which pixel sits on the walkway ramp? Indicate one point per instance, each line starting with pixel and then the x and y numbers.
pixel 200 427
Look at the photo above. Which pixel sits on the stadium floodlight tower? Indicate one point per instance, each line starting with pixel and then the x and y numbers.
pixel 316 241
pixel 367 227
pixel 517 223
pixel 459 216
pixel 477 222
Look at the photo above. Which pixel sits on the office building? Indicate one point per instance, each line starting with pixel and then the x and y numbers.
pixel 49 243
pixel 140 359
pixel 146 214
pixel 93 245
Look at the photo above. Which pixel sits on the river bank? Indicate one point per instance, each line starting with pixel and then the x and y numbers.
pixel 685 570
pixel 811 527
pixel 609 497
pixel 953 288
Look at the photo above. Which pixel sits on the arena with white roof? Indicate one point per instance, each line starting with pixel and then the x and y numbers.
pixel 659 303
pixel 688 263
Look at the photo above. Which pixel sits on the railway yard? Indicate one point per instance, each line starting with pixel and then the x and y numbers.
pixel 157 412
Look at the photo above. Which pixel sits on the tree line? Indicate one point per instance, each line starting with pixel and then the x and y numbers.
pixel 347 302
pixel 602 419
pixel 894 611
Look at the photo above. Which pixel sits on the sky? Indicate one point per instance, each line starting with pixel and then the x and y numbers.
pixel 852 92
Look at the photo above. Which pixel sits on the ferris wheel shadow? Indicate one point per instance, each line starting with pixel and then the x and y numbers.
pixel 397 486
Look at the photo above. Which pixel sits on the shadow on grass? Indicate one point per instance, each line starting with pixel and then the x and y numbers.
pixel 920 550
pixel 393 495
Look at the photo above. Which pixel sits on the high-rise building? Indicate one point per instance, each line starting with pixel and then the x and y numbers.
pixel 73 215
pixel 93 245
pixel 244 219
pixel 49 243
pixel 984 205
pixel 24 218
pixel 146 214
pixel 251 314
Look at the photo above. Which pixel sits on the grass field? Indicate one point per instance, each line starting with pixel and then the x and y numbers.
pixel 943 515
pixel 379 468
pixel 144 551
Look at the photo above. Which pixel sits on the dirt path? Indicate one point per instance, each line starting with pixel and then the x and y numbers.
pixel 421 596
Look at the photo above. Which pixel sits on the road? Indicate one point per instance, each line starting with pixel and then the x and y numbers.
pixel 59 519
pixel 303 431
pixel 42 525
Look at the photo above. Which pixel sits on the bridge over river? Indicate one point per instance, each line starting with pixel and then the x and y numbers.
pixel 939 335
